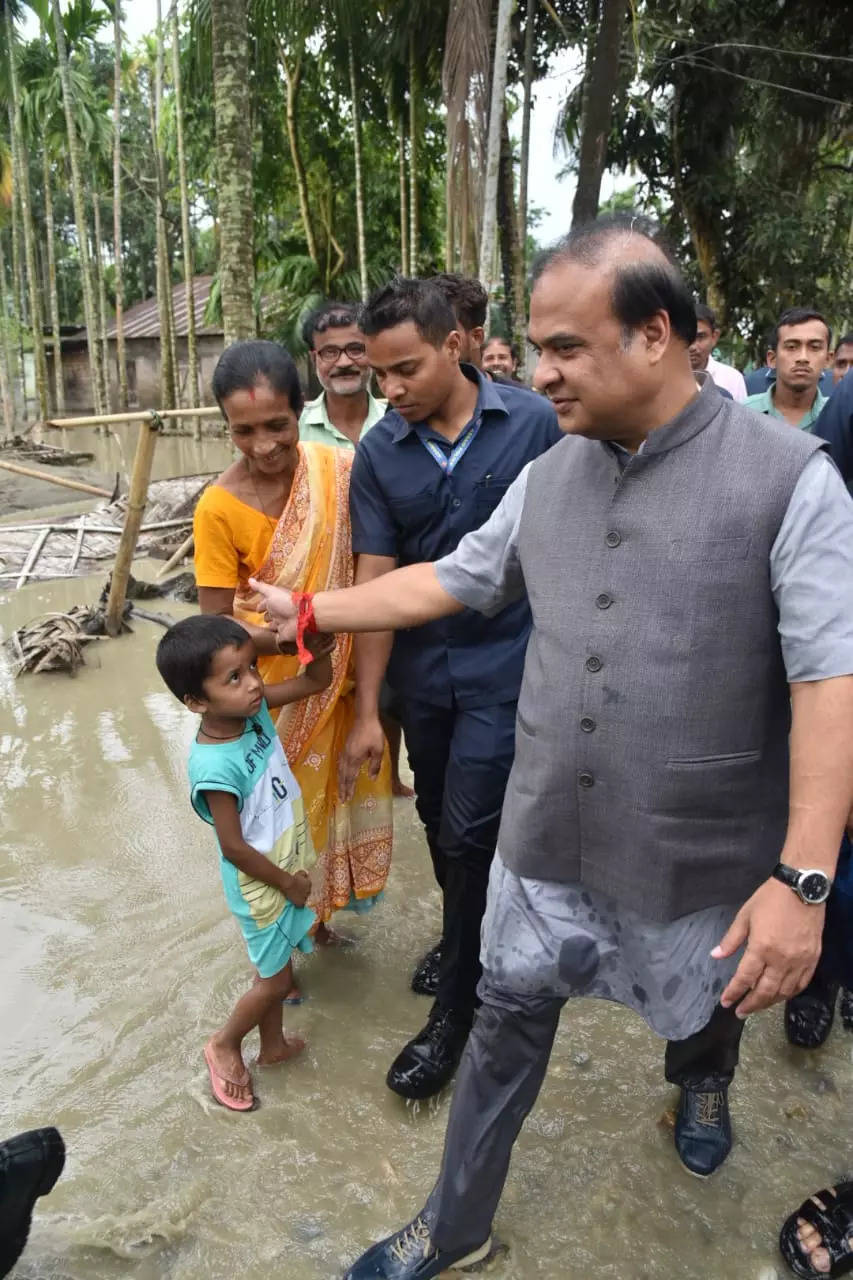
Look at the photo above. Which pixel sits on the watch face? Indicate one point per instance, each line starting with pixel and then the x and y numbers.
pixel 814 886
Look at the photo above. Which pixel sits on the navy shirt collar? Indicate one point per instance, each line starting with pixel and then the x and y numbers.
pixel 488 399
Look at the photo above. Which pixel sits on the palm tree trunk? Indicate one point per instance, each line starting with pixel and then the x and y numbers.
pixel 512 261
pixel 21 174
pixel 292 80
pixel 186 231
pixel 98 261
pixel 404 212
pixel 121 351
pixel 359 175
pixel 234 166
pixel 75 156
pixel 52 293
pixel 598 109
pixel 493 152
pixel 168 371
pixel 414 209
pixel 525 127
pixel 7 388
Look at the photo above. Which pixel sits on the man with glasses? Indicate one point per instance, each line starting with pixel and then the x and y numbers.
pixel 344 410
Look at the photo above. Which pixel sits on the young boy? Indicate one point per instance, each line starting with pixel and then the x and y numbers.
pixel 241 783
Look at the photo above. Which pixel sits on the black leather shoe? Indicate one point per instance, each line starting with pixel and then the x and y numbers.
pixel 411 1255
pixel 425 977
pixel 810 1015
pixel 29 1167
pixel 703 1127
pixel 428 1061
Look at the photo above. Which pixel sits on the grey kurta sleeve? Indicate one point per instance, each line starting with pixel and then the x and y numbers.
pixel 811 575
pixel 484 571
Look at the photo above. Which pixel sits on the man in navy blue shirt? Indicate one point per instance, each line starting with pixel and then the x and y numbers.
pixel 835 425
pixel 434 468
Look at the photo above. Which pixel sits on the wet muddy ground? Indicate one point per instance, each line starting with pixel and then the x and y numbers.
pixel 117 958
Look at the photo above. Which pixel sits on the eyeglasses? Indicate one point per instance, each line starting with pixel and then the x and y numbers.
pixel 330 355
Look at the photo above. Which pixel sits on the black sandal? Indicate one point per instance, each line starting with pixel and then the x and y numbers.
pixel 810 1015
pixel 835 1224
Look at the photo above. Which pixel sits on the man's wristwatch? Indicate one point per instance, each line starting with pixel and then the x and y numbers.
pixel 811 887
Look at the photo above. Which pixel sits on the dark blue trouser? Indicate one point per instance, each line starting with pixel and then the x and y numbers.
pixel 461 758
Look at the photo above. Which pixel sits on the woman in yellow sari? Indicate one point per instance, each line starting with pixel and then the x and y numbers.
pixel 280 513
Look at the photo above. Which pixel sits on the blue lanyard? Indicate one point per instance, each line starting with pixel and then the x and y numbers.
pixel 448 462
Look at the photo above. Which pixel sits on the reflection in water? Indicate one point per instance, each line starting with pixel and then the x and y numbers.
pixel 175 455
pixel 118 957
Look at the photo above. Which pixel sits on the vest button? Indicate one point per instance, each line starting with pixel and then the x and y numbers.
pixel 457 502
pixel 593 664
pixel 587 724
pixel 604 601
pixel 613 538
pixel 586 779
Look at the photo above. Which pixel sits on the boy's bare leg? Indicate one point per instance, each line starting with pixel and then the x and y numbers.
pixel 275 1045
pixel 225 1045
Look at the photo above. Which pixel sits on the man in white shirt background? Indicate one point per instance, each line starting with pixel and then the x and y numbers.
pixel 707 336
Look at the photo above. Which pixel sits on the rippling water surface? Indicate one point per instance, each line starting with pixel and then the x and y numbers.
pixel 117 958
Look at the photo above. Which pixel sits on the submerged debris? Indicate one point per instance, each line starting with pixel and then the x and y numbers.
pixel 53 642
pixel 56 641
pixel 46 455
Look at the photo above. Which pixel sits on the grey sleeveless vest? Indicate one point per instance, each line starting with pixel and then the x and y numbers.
pixel 652 738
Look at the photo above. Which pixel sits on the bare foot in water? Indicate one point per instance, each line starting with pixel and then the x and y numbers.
pixel 230 1081
pixel 289 1048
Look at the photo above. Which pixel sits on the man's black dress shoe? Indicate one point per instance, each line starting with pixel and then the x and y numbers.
pixel 410 1255
pixel 703 1128
pixel 29 1167
pixel 425 977
pixel 426 1063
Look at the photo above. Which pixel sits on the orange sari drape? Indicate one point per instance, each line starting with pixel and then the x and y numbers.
pixel 311 550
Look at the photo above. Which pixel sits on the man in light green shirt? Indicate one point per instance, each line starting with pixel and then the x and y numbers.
pixel 344 410
pixel 341 415
pixel 799 352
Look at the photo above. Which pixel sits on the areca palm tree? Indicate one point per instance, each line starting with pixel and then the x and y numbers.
pixel 232 108
pixel 21 177
pixel 75 156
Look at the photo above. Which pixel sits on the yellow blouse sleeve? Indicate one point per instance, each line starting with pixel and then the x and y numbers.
pixel 217 559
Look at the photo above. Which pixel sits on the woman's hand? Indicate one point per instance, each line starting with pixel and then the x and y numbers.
pixel 279 609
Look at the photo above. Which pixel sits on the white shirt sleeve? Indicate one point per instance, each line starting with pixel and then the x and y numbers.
pixel 811 575
pixel 484 572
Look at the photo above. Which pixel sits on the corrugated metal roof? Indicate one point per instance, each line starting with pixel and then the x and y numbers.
pixel 143 319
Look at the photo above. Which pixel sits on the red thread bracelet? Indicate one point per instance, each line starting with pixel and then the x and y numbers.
pixel 305 623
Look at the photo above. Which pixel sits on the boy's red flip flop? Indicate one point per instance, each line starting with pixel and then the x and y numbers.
pixel 216 1085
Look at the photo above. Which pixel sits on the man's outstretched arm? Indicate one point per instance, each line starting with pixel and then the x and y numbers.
pixel 404 598
pixel 483 573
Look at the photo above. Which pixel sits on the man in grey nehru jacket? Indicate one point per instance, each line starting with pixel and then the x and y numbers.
pixel 684 742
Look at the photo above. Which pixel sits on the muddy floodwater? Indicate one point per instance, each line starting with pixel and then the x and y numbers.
pixel 117 958
pixel 113 450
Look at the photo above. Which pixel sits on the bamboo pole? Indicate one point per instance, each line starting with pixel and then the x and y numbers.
pixel 142 415
pixel 183 550
pixel 78 543
pixel 139 480
pixel 34 553
pixel 60 480
pixel 69 528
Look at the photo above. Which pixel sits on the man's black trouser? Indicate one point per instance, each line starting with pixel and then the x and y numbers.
pixel 461 758
pixel 498 1081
